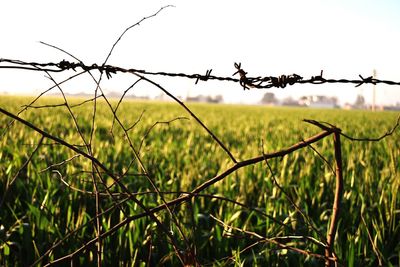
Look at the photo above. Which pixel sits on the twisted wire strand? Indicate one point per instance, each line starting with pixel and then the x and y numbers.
pixel 246 82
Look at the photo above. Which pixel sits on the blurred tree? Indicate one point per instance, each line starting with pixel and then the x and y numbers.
pixel 360 101
pixel 269 98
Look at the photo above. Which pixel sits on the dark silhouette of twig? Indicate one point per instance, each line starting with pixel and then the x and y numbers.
pixel 376 251
pixel 120 101
pixel 154 125
pixel 98 88
pixel 130 27
pixel 98 163
pixel 338 190
pixel 208 184
pixel 9 183
pixel 367 139
pixel 37 98
pixel 274 241
pixel 193 116
pixel 136 122
pixel 289 198
pixel 60 163
pixel 323 159
pixel 72 232
pixel 336 201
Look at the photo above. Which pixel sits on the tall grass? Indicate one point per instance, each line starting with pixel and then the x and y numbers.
pixel 44 206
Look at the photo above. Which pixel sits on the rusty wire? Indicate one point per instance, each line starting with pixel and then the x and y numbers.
pixel 246 82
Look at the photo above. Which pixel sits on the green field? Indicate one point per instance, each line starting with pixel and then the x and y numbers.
pixel 51 199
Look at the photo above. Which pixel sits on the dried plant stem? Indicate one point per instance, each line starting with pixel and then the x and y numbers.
pixel 376 250
pixel 104 168
pixel 10 182
pixel 197 119
pixel 337 200
pixel 207 184
pixel 273 241
pixel 115 118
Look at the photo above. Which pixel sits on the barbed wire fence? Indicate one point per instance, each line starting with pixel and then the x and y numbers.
pixel 183 248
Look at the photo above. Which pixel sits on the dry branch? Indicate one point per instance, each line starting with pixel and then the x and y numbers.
pixel 96 162
pixel 10 182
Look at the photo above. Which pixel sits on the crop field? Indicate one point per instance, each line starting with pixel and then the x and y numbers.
pixel 271 213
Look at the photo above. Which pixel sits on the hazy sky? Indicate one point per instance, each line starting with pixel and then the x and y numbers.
pixel 345 38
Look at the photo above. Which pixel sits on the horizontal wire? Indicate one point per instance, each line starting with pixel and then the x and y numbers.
pixel 246 82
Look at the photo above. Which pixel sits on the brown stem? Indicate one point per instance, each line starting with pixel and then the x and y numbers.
pixel 95 161
pixel 203 186
pixel 216 139
pixel 336 202
pixel 9 183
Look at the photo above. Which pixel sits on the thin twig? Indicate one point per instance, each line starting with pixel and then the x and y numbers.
pixel 70 233
pixel 10 183
pixel 120 101
pixel 323 158
pixel 297 208
pixel 376 251
pixel 274 241
pixel 98 163
pixel 135 123
pixel 154 125
pixel 336 202
pixel 207 184
pixel 59 163
pixel 365 139
pixel 227 151
pixel 117 180
pixel 130 27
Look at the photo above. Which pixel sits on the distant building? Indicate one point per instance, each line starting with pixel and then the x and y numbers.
pixel 319 101
pixel 205 99
pixel 289 101
pixel 162 97
pixel 393 107
pixel 359 103
pixel 347 106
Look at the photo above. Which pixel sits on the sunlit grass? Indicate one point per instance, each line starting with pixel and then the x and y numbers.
pixel 41 209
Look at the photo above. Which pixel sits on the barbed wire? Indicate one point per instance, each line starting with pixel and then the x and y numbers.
pixel 246 82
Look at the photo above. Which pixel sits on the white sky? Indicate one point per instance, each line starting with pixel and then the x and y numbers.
pixel 345 38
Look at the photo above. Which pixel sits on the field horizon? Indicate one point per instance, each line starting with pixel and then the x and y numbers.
pixel 55 200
